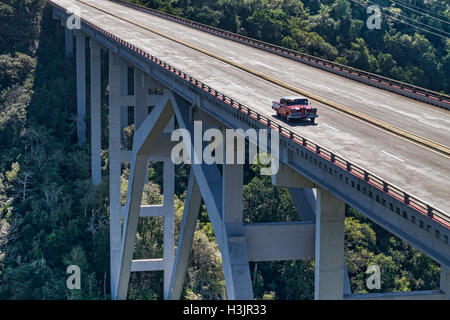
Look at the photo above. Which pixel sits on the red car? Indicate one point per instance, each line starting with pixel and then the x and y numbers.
pixel 296 107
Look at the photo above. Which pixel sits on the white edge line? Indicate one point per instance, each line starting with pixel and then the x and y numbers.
pixel 393 156
pixel 326 125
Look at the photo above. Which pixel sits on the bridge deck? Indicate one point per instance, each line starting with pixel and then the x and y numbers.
pixel 417 170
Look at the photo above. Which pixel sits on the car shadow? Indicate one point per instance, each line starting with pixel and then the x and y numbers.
pixel 296 122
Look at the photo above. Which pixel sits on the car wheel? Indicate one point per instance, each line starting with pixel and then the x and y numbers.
pixel 313 120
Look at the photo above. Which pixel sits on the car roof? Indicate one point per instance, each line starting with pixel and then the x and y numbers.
pixel 294 97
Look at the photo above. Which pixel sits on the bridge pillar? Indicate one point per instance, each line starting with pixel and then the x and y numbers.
pixel 115 63
pixel 68 39
pixel 123 93
pixel 191 211
pixel 223 198
pixel 96 127
pixel 81 86
pixel 301 190
pixel 329 256
pixel 140 110
pixel 445 281
pixel 169 223
pixel 140 98
pixel 145 139
pixel 235 258
pixel 304 201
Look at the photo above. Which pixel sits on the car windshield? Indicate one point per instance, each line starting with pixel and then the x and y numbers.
pixel 294 102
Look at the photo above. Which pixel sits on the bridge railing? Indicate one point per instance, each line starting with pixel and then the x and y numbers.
pixel 299 56
pixel 360 173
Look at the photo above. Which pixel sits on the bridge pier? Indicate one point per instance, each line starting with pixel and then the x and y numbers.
pixel 329 257
pixel 191 211
pixel 445 282
pixel 68 39
pixel 96 126
pixel 222 195
pixel 169 223
pixel 123 106
pixel 140 98
pixel 234 254
pixel 316 204
pixel 304 201
pixel 81 85
pixel 145 138
pixel 122 241
pixel 166 211
pixel 115 63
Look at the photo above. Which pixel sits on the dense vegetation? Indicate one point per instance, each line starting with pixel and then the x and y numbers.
pixel 51 216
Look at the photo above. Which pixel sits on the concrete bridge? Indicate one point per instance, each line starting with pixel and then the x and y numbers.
pixel 379 146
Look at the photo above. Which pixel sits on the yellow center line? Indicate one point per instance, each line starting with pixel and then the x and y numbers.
pixel 422 141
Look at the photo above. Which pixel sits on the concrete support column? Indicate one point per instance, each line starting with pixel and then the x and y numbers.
pixel 123 124
pixel 140 98
pixel 96 126
pixel 115 63
pixel 144 140
pixel 329 255
pixel 445 281
pixel 169 223
pixel 119 288
pixel 347 284
pixel 140 103
pixel 190 214
pixel 123 93
pixel 305 203
pixel 81 86
pixel 234 252
pixel 68 42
